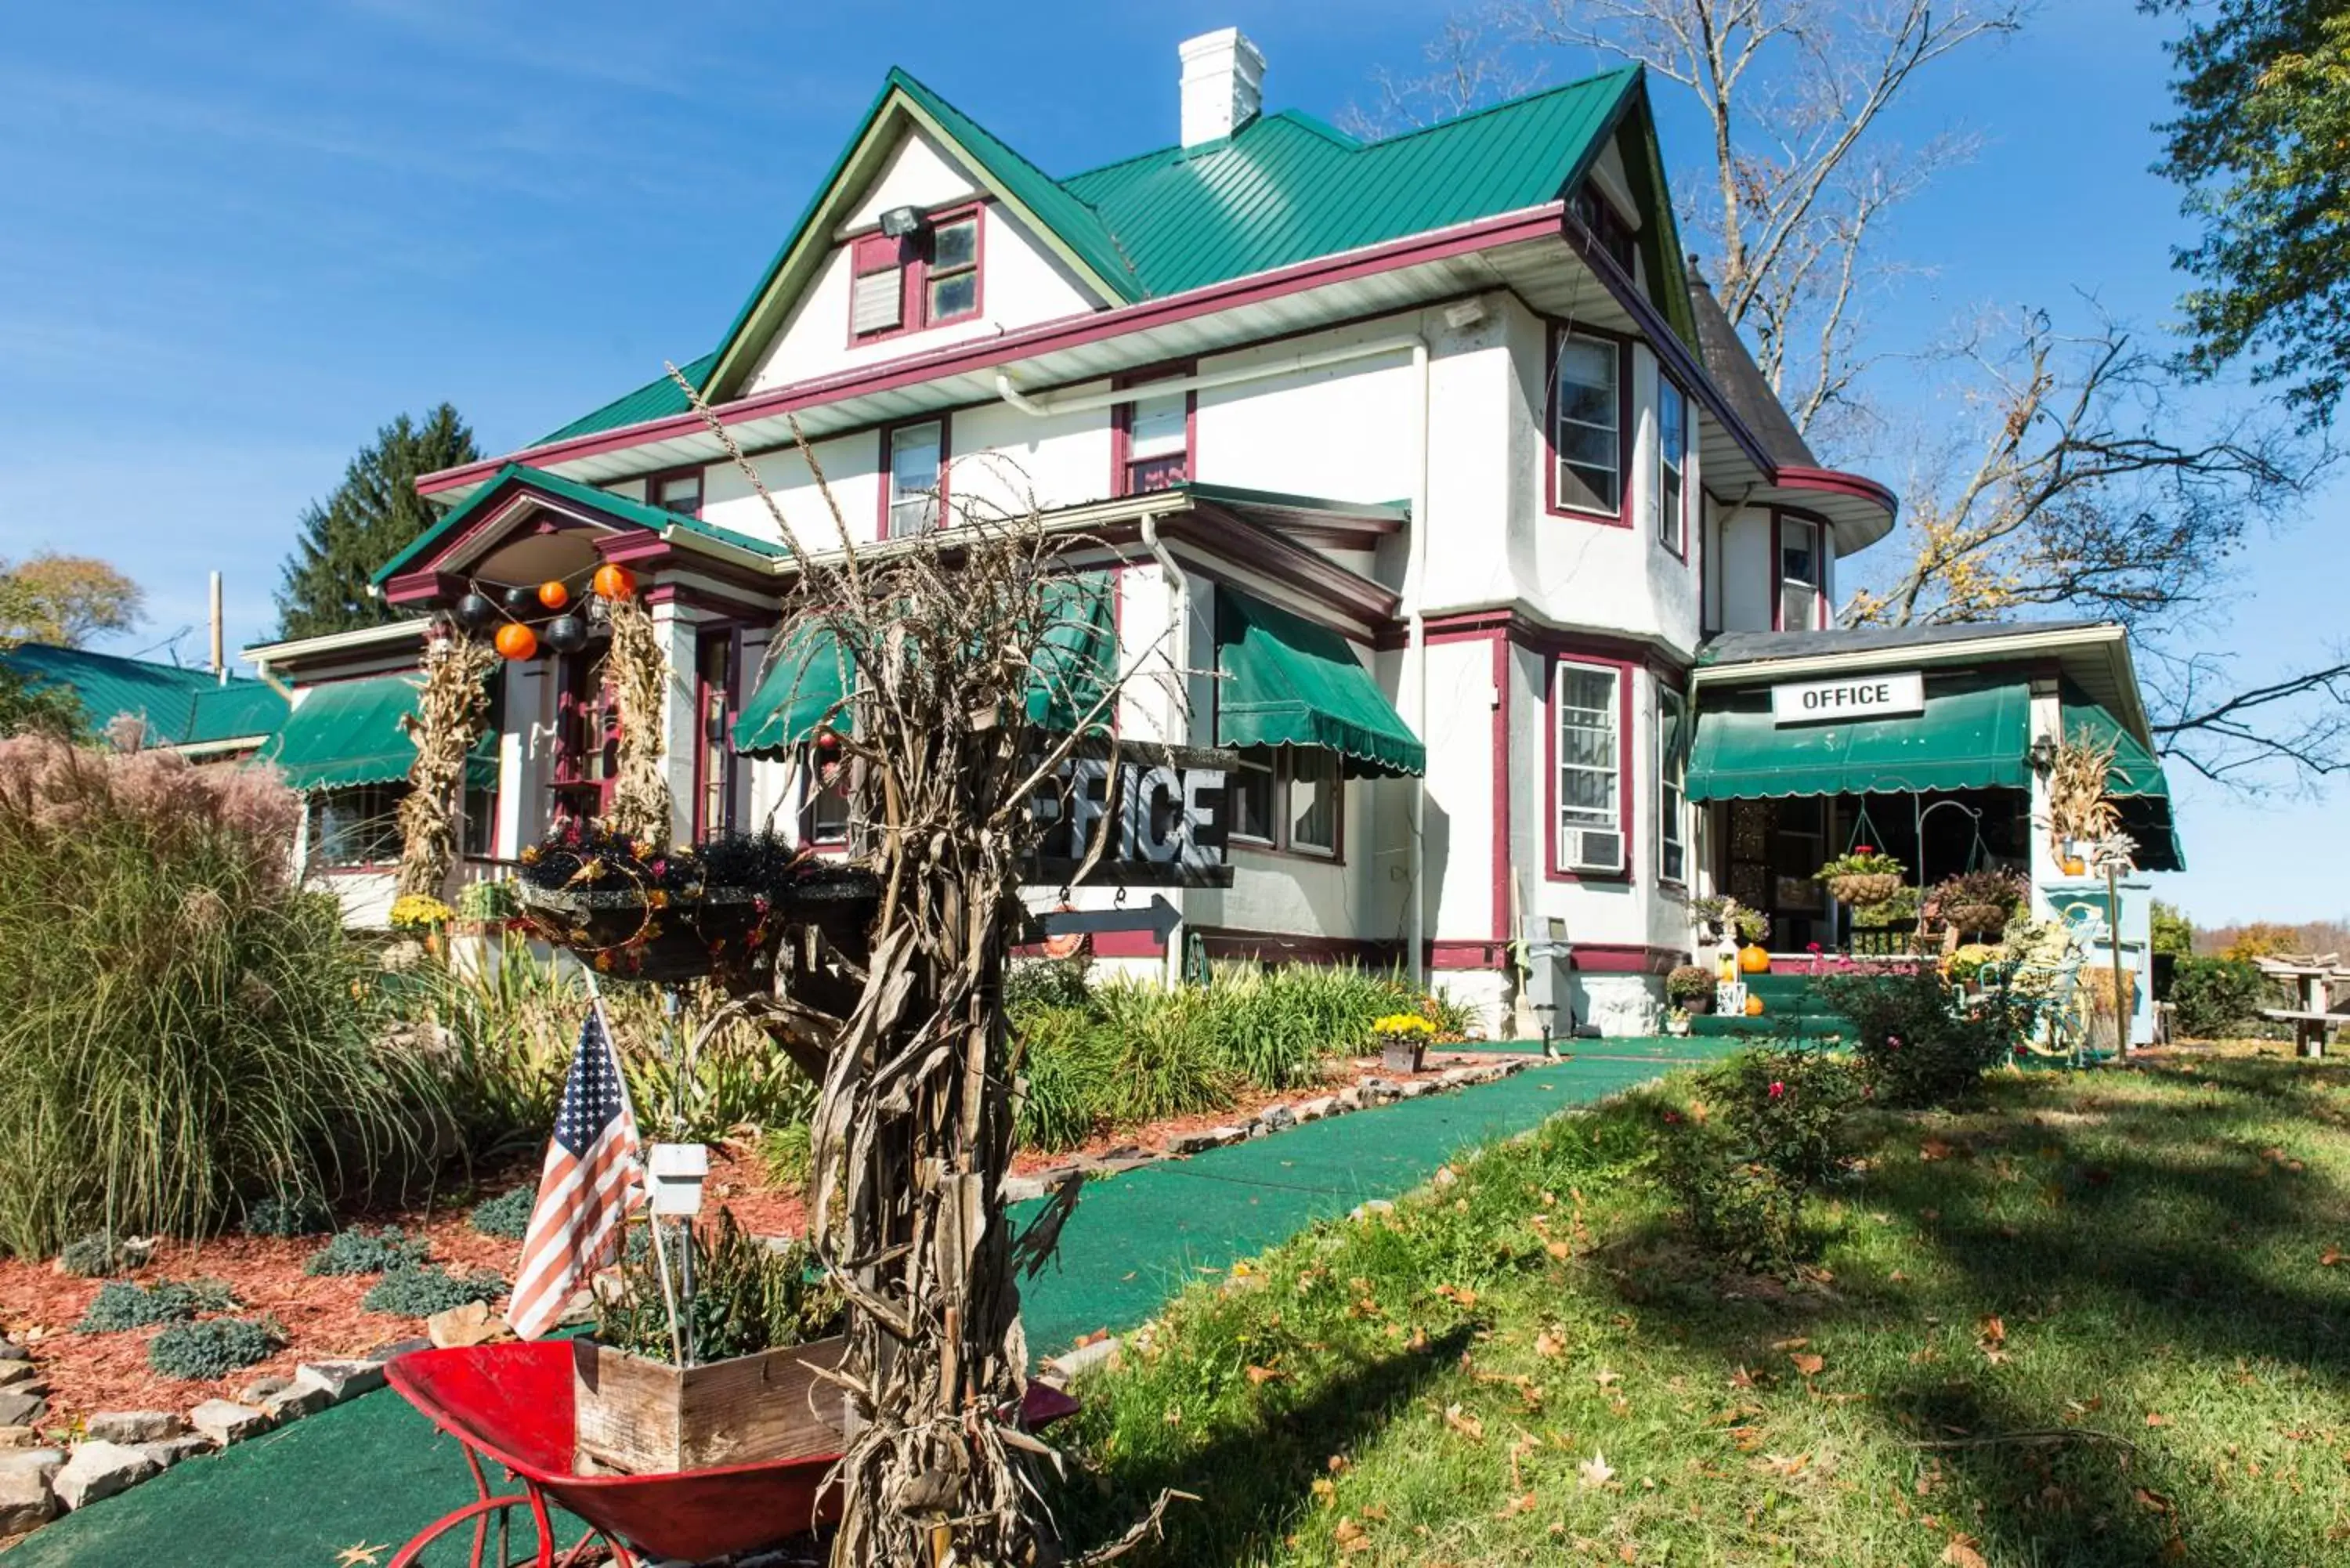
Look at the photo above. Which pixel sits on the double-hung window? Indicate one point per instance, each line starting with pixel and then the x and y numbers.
pixel 923 279
pixel 917 482
pixel 1586 425
pixel 1802 575
pixel 1588 750
pixel 1668 495
pixel 1286 797
pixel 1672 779
pixel 1153 440
pixel 951 284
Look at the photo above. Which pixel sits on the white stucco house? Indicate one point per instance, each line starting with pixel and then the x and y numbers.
pixel 1446 420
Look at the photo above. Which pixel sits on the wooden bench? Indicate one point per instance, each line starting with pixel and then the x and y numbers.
pixel 2309 1029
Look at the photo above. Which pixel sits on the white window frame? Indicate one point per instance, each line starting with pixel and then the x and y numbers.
pixel 1561 467
pixel 1816 585
pixel 1671 469
pixel 915 510
pixel 1278 766
pixel 1570 820
pixel 1672 787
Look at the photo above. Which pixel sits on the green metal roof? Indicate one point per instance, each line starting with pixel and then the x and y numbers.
pixel 618 509
pixel 348 733
pixel 1285 188
pixel 180 706
pixel 1288 682
pixel 1974 734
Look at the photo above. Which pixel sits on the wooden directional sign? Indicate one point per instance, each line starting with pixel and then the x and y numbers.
pixel 1159 916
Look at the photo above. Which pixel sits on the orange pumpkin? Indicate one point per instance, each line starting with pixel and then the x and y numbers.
pixel 1753 1006
pixel 517 641
pixel 554 595
pixel 614 581
pixel 1752 958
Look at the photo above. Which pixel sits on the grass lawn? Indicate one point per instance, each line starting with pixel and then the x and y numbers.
pixel 2099 1319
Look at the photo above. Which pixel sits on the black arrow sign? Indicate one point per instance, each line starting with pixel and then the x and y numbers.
pixel 1159 916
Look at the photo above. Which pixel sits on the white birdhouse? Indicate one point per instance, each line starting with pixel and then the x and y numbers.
pixel 678 1171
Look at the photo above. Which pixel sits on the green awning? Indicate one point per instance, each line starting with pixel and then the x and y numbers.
pixel 346 732
pixel 1288 682
pixel 1974 734
pixel 808 678
pixel 2135 781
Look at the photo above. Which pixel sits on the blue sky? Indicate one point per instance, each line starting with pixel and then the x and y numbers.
pixel 240 237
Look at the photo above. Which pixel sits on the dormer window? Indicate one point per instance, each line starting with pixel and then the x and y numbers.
pixel 922 278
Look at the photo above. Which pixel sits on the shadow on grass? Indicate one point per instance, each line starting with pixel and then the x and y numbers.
pixel 2177 1227
pixel 1254 1476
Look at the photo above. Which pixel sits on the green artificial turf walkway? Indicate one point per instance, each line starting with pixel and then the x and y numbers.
pixel 372 1473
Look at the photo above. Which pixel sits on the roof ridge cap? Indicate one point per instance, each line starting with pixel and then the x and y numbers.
pixel 1627 71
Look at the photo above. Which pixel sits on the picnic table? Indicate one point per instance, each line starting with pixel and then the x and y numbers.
pixel 2314 977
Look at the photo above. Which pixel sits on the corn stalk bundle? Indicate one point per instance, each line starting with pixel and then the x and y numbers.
pixel 2077 805
pixel 638 672
pixel 913 1132
pixel 452 709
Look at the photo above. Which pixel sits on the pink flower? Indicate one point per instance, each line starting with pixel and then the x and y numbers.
pixel 1672 1118
pixel 1815 946
pixel 1777 1089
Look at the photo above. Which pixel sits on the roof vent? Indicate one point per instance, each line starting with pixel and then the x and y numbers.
pixel 1224 84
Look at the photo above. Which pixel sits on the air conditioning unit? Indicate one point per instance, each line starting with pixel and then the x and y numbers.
pixel 1592 848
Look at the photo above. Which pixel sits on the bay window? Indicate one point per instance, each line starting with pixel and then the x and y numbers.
pixel 1587 426
pixel 1588 753
pixel 1672 779
pixel 1668 496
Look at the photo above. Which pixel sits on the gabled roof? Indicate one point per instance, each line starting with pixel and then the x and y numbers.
pixel 180 707
pixel 1285 188
pixel 619 510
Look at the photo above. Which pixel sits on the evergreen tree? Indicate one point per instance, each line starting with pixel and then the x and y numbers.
pixel 371 518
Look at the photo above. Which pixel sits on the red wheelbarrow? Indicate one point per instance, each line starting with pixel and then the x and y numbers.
pixel 512 1404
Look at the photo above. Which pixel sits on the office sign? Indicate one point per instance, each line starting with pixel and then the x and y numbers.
pixel 1166 818
pixel 1849 697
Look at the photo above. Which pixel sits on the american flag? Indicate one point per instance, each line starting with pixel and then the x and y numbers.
pixel 593 1180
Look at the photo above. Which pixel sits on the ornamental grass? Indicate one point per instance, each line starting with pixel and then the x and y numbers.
pixel 181 1030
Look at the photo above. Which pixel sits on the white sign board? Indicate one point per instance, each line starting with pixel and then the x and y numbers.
pixel 1849 697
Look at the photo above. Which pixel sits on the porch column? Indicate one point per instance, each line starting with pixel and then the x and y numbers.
pixel 674 627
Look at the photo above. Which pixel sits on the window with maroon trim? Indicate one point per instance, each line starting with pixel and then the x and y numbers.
pixel 1672 784
pixel 1587 757
pixel 587 737
pixel 1668 488
pixel 927 279
pixel 914 464
pixel 678 492
pixel 824 796
pixel 1153 440
pixel 1802 575
pixel 1606 225
pixel 1586 426
pixel 1288 797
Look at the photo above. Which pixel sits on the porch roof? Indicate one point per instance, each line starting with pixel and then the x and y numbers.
pixel 1975 733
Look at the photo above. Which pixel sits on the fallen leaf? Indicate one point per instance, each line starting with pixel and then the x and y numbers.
pixel 1525 1502
pixel 1596 1471
pixel 1604 1378
pixel 359 1556
pixel 1791 1344
pixel 2156 1418
pixel 1326 1491
pixel 1260 1376
pixel 1549 1347
pixel 1459 1295
pixel 1935 1148
pixel 1960 1554
pixel 1468 1426
pixel 1808 1365
pixel 2329 1258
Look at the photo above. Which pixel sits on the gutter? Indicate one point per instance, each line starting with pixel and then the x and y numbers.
pixel 1044 408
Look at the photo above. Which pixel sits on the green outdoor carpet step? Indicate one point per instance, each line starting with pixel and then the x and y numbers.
pixel 372 1473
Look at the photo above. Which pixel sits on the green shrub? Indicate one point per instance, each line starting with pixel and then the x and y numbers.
pixel 425 1289
pixel 504 1033
pixel 2216 998
pixel 93 1256
pixel 739 1087
pixel 203 1352
pixel 1047 983
pixel 1915 1048
pixel 299 1214
pixel 354 1252
pixel 748 1297
pixel 1754 1137
pixel 785 1156
pixel 506 1216
pixel 121 1306
pixel 179 1026
pixel 1060 1057
pixel 1689 985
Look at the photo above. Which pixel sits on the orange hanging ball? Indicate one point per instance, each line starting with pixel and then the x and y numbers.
pixel 554 595
pixel 615 582
pixel 517 641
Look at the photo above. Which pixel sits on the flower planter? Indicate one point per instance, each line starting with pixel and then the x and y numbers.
pixel 656 935
pixel 1986 920
pixel 1865 888
pixel 1401 1055
pixel 644 1418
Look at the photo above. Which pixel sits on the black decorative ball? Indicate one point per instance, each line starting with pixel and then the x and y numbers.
pixel 565 633
pixel 522 601
pixel 475 613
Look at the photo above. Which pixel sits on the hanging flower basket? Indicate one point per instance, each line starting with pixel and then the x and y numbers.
pixel 1865 888
pixel 1985 920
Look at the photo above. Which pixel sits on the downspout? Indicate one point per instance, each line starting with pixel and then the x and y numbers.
pixel 1178 599
pixel 1416 662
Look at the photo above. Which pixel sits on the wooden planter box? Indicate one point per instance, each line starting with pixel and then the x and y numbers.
pixel 643 1418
